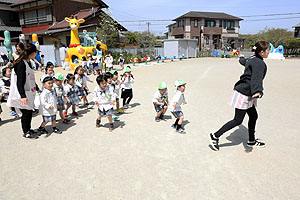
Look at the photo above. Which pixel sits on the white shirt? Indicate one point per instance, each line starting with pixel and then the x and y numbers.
pixel 117 87
pixel 59 90
pixel 127 83
pixel 48 98
pixel 178 99
pixel 104 98
pixel 82 80
pixel 69 88
pixel 158 98
pixel 2 85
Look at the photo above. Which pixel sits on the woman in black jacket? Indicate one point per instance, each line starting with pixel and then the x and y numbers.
pixel 23 89
pixel 245 94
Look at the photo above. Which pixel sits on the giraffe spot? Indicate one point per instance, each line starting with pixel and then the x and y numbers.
pixel 93 49
pixel 81 51
pixel 67 55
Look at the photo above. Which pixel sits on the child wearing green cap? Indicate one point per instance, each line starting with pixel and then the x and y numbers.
pixel 126 82
pixel 61 95
pixel 175 107
pixel 160 101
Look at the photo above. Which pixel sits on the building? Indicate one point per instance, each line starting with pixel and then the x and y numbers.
pixel 46 18
pixel 297 31
pixel 9 19
pixel 216 29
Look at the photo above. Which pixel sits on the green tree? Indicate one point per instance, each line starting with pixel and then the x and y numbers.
pixel 108 32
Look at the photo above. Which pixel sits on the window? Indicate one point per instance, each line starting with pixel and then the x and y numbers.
pixel 180 23
pixel 38 16
pixel 195 23
pixel 220 23
pixel 210 23
pixel 228 24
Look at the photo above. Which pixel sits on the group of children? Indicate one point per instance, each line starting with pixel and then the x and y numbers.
pixel 161 104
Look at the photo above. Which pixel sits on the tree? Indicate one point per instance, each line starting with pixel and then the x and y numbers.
pixel 108 33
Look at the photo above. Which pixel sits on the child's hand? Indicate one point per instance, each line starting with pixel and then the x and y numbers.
pixel 112 103
pixel 96 103
pixel 68 100
pixel 51 107
pixel 57 107
pixel 174 105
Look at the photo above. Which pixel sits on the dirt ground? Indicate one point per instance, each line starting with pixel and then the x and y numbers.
pixel 144 159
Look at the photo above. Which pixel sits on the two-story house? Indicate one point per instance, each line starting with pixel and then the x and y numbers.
pixel 46 18
pixel 213 30
pixel 9 19
pixel 297 31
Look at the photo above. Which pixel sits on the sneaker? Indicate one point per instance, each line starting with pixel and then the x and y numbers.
pixel 12 113
pixel 30 135
pixel 126 106
pixel 256 143
pixel 111 127
pixel 35 112
pixel 161 117
pixel 214 142
pixel 157 119
pixel 65 113
pixel 66 121
pixel 56 130
pixel 75 114
pixel 173 126
pixel 120 111
pixel 42 130
pixel 115 117
pixel 180 130
pixel 98 123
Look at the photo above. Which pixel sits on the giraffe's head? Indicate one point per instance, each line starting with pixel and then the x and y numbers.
pixel 74 23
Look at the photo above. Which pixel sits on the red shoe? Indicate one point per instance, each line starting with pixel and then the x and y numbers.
pixel 75 114
pixel 65 113
pixel 66 121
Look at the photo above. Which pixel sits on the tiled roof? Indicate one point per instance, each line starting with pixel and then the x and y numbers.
pixel 20 2
pixel 9 1
pixel 82 14
pixel 209 15
pixel 11 28
pixel 298 25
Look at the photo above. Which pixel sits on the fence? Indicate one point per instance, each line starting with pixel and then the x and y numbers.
pixel 153 52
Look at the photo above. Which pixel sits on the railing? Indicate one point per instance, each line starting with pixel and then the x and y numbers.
pixel 178 31
pixel 37 20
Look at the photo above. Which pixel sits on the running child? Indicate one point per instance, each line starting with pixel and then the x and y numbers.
pixel 175 107
pixel 121 61
pixel 48 106
pixel 60 95
pixel 116 84
pixel 125 84
pixel 71 99
pixel 104 98
pixel 111 87
pixel 160 101
pixel 81 82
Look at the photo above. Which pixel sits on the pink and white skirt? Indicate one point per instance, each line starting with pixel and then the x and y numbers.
pixel 240 101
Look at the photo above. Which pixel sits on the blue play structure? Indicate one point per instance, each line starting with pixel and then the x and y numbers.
pixel 172 58
pixel 276 53
pixel 216 52
pixel 181 57
pixel 163 58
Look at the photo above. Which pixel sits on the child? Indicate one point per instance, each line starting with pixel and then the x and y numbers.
pixel 104 98
pixel 81 82
pixel 42 62
pixel 111 87
pixel 70 91
pixel 60 95
pixel 50 65
pixel 161 101
pixel 5 87
pixel 83 63
pixel 175 107
pixel 125 84
pixel 121 61
pixel 109 62
pixel 1 95
pixel 90 64
pixel 48 106
pixel 116 84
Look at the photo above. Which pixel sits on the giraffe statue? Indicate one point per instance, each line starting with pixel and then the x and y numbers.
pixel 76 50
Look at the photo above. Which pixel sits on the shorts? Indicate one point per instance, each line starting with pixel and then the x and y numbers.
pixel 117 99
pixel 105 112
pixel 158 108
pixel 177 114
pixel 60 103
pixel 49 118
pixel 81 92
pixel 97 66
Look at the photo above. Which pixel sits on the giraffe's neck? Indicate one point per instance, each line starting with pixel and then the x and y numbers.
pixel 75 37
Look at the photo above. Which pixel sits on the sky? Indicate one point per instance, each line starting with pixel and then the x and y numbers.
pixel 132 10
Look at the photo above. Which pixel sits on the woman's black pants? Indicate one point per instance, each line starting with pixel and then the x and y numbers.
pixel 26 120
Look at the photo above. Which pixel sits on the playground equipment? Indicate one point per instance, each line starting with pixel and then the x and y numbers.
pixel 7 44
pixel 76 50
pixel 158 58
pixel 163 58
pixel 134 60
pixel 181 57
pixel 235 52
pixel 37 44
pixel 276 54
pixel 216 52
pixel 146 60
pixel 172 58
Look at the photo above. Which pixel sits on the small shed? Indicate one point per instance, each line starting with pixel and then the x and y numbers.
pixel 177 47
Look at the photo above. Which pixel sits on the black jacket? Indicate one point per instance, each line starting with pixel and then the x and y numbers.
pixel 251 82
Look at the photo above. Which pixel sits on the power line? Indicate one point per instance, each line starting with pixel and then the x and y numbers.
pixel 272 19
pixel 271 15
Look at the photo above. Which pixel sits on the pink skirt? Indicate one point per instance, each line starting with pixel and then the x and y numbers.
pixel 240 101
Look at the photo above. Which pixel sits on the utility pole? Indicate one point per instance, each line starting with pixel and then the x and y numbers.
pixel 148 24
